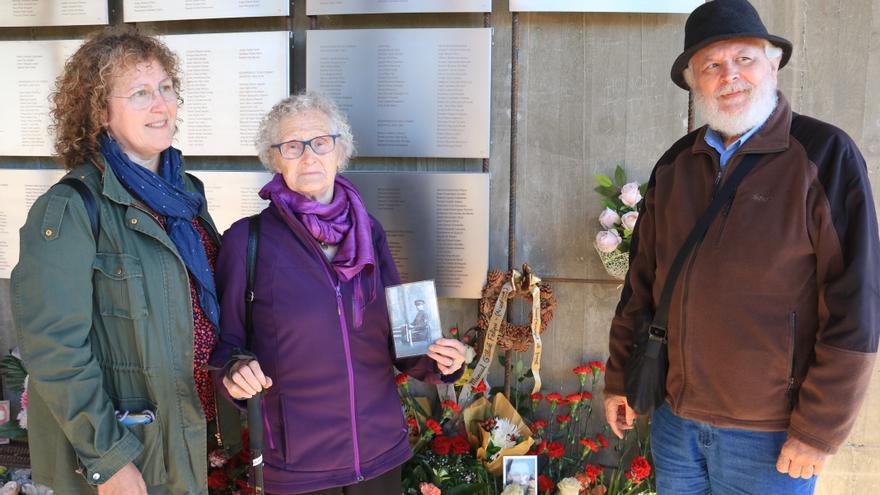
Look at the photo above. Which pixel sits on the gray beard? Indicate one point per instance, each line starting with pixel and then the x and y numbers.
pixel 763 102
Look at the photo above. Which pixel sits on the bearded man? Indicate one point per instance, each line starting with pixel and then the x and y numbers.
pixel 774 317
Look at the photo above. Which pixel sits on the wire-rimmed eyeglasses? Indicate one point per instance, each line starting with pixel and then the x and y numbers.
pixel 320 145
pixel 144 97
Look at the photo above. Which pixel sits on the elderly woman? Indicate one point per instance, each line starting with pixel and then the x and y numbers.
pixel 321 328
pixel 116 323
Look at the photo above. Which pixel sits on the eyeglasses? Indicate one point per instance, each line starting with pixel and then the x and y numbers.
pixel 143 98
pixel 320 145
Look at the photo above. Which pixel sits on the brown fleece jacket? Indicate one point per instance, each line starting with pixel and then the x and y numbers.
pixel 775 317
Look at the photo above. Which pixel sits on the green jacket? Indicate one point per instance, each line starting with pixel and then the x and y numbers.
pixel 107 328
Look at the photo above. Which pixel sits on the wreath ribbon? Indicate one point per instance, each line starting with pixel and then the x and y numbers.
pixel 516 283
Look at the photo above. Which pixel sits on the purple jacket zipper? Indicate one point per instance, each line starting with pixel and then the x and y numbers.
pixel 345 343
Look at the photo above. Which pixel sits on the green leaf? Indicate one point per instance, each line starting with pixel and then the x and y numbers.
pixel 470 489
pixel 502 360
pixel 643 189
pixel 608 191
pixel 12 430
pixel 603 180
pixel 619 176
pixel 607 203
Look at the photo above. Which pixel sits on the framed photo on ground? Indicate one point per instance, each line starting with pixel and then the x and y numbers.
pixel 414 316
pixel 521 470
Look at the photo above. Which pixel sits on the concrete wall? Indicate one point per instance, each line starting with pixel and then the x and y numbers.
pixel 594 93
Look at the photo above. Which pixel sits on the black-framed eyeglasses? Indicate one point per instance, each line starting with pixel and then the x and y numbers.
pixel 320 145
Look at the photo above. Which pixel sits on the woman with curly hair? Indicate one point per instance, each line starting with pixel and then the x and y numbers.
pixel 114 298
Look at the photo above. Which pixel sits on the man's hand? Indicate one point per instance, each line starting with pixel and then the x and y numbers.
pixel 800 460
pixel 245 379
pixel 618 414
pixel 126 481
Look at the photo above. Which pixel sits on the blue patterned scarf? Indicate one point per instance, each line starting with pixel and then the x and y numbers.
pixel 166 195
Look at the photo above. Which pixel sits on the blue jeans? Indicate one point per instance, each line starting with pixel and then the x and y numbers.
pixel 694 458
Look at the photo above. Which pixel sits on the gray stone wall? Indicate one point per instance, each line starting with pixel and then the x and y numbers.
pixel 594 93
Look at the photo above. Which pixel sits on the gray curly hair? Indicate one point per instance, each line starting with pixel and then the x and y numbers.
pixel 294 105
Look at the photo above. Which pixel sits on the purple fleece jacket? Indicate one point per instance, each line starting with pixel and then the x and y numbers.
pixel 333 412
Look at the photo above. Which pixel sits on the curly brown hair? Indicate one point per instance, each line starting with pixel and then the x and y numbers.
pixel 81 98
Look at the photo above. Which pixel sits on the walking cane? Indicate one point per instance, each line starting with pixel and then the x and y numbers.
pixel 255 403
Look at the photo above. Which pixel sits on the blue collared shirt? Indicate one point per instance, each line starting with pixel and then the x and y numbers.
pixel 714 139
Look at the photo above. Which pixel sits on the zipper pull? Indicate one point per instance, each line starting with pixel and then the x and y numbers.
pixel 338 300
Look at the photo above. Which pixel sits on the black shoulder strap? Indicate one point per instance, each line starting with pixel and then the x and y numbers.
pixel 722 197
pixel 252 246
pixel 88 200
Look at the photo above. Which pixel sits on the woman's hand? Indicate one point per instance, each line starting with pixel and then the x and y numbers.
pixel 126 481
pixel 449 354
pixel 245 379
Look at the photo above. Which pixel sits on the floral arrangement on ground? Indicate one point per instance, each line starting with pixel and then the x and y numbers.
pixel 458 451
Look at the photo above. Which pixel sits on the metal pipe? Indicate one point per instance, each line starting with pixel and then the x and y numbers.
pixel 511 219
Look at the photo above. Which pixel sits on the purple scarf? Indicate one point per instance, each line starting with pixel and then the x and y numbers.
pixel 344 222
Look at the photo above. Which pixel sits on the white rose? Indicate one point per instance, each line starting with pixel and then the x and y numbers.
pixel 629 220
pixel 608 218
pixel 607 240
pixel 630 194
pixel 469 354
pixel 569 486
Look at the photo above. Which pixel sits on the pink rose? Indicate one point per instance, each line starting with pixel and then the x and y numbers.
pixel 429 489
pixel 608 218
pixel 607 240
pixel 630 194
pixel 629 220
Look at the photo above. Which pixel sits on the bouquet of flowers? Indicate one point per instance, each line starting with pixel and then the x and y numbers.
pixel 618 219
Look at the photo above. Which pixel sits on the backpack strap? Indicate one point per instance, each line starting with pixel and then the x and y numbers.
pixel 88 200
pixel 252 247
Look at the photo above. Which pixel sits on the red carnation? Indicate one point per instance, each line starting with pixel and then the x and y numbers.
pixel 536 397
pixel 563 418
pixel 603 442
pixel 583 369
pixel 639 469
pixel 451 404
pixel 589 445
pixel 555 450
pixel 593 472
pixel 441 445
pixel 413 425
pixel 453 331
pixel 586 396
pixel 555 397
pixel 460 445
pixel 218 479
pixel 481 388
pixel 545 484
pixel 401 378
pixel 538 448
pixel 597 366
pixel 573 398
pixel 433 425
pixel 539 424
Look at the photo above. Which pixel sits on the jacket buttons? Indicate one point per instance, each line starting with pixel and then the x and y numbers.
pixel 48 233
pixel 119 271
pixel 96 476
pixel 134 221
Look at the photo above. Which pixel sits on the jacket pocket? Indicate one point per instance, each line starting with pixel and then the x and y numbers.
pixel 119 285
pixel 151 461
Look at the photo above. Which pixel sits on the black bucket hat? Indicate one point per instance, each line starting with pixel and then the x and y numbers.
pixel 721 20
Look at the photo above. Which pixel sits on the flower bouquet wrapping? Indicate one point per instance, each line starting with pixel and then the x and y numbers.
pixel 618 220
pixel 496 429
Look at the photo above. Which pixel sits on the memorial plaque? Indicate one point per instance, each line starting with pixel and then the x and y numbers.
pixel 230 81
pixel 27 78
pixel 332 7
pixel 644 6
pixel 53 12
pixel 437 224
pixel 19 189
pixel 407 92
pixel 170 10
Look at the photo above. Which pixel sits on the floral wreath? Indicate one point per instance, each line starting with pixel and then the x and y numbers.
pixel 515 337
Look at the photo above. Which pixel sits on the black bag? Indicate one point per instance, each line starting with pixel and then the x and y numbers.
pixel 644 375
